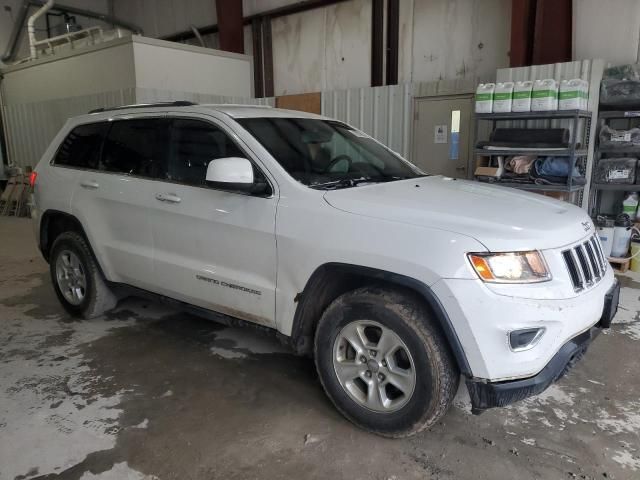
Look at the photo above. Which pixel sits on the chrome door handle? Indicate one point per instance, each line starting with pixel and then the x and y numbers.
pixel 89 184
pixel 461 168
pixel 168 197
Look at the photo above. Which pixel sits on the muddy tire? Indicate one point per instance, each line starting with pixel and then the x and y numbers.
pixel 77 279
pixel 384 362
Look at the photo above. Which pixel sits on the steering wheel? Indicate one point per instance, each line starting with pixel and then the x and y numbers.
pixel 335 161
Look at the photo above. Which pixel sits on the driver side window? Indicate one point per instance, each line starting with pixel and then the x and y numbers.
pixel 193 144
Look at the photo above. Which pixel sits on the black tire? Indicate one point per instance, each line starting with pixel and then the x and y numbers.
pixel 436 373
pixel 98 297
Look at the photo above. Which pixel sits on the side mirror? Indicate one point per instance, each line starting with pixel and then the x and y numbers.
pixel 231 173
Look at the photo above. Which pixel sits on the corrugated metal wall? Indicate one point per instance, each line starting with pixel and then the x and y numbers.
pixel 590 70
pixel 382 112
pixel 30 127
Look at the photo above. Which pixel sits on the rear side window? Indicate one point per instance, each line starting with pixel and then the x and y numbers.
pixel 137 147
pixel 193 145
pixel 82 146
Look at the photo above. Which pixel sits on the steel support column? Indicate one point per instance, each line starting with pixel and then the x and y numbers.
pixel 267 56
pixel 256 34
pixel 393 39
pixel 230 22
pixel 541 32
pixel 377 43
pixel 553 32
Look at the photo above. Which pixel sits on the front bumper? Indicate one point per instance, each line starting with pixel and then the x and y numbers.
pixel 483 320
pixel 486 395
pixel 501 394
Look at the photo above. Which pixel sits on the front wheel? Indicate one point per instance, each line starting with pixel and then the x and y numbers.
pixel 77 279
pixel 384 363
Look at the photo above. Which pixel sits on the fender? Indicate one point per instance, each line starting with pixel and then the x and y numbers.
pixel 318 293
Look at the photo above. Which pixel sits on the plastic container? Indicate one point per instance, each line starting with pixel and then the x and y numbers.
pixel 570 95
pixel 544 95
pixel 484 97
pixel 635 260
pixel 522 96
pixel 605 233
pixel 503 97
pixel 616 170
pixel 621 236
pixel 584 90
pixel 630 205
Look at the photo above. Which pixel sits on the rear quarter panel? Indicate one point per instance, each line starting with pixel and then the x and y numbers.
pixel 54 185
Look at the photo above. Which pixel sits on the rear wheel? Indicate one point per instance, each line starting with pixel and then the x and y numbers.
pixel 76 278
pixel 383 362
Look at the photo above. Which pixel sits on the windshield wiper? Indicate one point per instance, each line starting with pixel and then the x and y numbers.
pixel 343 183
pixel 352 182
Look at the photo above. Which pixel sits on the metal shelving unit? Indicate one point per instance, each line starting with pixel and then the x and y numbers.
pixel 541 187
pixel 535 115
pixel 556 152
pixel 580 126
pixel 604 118
pixel 613 187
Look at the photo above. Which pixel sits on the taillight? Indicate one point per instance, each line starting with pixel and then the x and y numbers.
pixel 32 179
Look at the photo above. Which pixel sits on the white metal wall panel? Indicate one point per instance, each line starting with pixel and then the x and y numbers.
pixel 590 70
pixel 30 127
pixel 382 112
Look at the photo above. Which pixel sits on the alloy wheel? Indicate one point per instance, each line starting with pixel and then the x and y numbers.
pixel 374 366
pixel 71 277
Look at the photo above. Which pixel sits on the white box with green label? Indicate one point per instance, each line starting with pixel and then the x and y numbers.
pixel 503 97
pixel 484 97
pixel 570 95
pixel 544 95
pixel 522 96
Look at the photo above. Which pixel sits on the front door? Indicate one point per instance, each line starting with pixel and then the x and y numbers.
pixel 441 134
pixel 212 248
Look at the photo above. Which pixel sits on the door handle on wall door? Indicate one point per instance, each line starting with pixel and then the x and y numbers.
pixel 89 184
pixel 168 197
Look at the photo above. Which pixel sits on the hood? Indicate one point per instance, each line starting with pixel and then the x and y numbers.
pixel 500 218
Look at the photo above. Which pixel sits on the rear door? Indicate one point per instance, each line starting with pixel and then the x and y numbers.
pixel 114 201
pixel 213 248
pixel 77 153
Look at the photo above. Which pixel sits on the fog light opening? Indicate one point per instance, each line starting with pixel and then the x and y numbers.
pixel 525 338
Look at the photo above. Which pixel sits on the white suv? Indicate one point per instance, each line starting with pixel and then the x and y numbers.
pixel 397 282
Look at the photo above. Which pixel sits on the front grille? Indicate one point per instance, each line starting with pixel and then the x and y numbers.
pixel 586 263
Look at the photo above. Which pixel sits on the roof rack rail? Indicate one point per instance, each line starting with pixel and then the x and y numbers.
pixel 177 103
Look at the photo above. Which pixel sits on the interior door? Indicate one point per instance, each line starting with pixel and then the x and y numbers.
pixel 441 135
pixel 212 248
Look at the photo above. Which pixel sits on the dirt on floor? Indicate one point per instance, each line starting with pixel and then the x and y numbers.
pixel 147 392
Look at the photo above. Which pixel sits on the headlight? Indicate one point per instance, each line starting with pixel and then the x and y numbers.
pixel 510 267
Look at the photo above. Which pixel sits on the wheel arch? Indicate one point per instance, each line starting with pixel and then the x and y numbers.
pixel 55 222
pixel 331 280
pixel 52 224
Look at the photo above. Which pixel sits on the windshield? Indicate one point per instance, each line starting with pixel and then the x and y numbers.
pixel 327 154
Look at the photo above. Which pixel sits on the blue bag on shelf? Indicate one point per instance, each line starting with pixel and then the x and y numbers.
pixel 555 170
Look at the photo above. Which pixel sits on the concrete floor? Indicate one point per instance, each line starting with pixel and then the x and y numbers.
pixel 147 392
